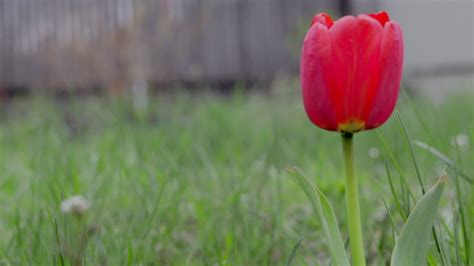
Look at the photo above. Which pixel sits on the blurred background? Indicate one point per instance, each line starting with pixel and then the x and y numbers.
pixel 109 45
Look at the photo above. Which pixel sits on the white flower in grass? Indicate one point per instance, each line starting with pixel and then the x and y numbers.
pixel 460 140
pixel 374 153
pixel 75 204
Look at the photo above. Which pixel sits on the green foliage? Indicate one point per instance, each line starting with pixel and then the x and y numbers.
pixel 200 180
pixel 326 217
pixel 413 242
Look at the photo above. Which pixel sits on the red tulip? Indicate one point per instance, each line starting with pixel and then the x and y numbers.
pixel 351 71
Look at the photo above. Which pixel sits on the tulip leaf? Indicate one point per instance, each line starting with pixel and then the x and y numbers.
pixel 412 244
pixel 326 216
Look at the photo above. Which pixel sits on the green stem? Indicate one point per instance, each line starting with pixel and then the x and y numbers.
pixel 352 202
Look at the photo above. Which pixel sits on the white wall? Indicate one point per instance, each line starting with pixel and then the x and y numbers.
pixel 438 33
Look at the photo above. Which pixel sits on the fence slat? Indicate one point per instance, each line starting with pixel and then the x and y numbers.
pixel 84 43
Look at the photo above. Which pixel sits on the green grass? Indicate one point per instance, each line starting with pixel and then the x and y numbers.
pixel 201 180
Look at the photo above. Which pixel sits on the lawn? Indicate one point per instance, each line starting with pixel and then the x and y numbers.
pixel 200 179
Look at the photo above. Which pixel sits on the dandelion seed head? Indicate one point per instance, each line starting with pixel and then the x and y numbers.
pixel 460 140
pixel 75 204
pixel 374 153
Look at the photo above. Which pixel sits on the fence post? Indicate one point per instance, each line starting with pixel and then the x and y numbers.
pixel 345 7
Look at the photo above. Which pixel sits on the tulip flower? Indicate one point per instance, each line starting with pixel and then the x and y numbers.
pixel 350 77
pixel 351 71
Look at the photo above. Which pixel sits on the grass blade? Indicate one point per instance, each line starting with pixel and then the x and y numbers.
pixel 443 158
pixel 392 221
pixel 456 236
pixel 394 193
pixel 397 167
pixel 462 217
pixel 293 251
pixel 412 153
pixel 417 114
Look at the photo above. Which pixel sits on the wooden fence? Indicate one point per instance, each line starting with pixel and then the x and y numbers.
pixel 108 43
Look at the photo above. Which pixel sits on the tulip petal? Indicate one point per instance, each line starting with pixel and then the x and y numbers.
pixel 357 49
pixel 391 61
pixel 367 69
pixel 351 71
pixel 323 19
pixel 381 17
pixel 339 74
pixel 315 61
